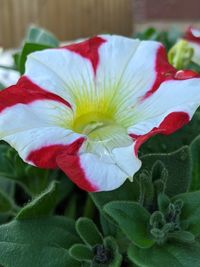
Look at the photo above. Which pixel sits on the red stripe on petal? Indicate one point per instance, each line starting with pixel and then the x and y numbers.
pixel 164 71
pixel 88 49
pixel 190 36
pixel 65 157
pixel 46 157
pixel 26 92
pixel 71 166
pixel 170 124
pixel 186 74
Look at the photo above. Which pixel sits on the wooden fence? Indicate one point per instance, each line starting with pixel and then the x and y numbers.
pixel 67 19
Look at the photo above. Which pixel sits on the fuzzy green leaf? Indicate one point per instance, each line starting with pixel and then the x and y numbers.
pixel 6 203
pixel 88 232
pixel 195 153
pixel 163 202
pixel 128 191
pixel 111 244
pixel 190 212
pixel 133 220
pixel 81 252
pixel 178 165
pixel 107 226
pixel 182 236
pixel 42 205
pixel 176 255
pixel 32 179
pixel 36 243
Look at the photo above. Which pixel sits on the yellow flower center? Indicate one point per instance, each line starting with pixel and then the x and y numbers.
pixel 92 123
pixel 100 128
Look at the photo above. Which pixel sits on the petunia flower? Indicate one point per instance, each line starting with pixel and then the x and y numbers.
pixel 192 36
pixel 86 108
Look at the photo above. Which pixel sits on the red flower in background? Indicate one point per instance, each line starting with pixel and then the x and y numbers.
pixel 192 35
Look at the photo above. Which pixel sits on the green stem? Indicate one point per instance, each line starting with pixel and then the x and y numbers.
pixel 8 67
pixel 90 208
pixel 142 193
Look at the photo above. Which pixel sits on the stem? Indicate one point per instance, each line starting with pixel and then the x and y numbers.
pixel 142 193
pixel 89 209
pixel 8 67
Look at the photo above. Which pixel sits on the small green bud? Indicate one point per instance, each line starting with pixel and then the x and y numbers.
pixel 157 170
pixel 157 219
pixel 157 233
pixel 163 202
pixel 180 54
pixel 160 186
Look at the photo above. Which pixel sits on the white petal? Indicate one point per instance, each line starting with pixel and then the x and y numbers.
pixel 35 126
pixel 61 72
pixel 110 175
pixel 38 114
pixel 127 70
pixel 172 96
pixel 33 140
pixel 92 173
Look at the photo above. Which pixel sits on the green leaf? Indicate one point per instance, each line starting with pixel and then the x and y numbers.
pixel 111 244
pixel 107 226
pixel 26 50
pixel 168 38
pixel 88 232
pixel 6 166
pixel 176 255
pixel 33 180
pixel 133 220
pixel 41 36
pixel 182 236
pixel 36 243
pixel 190 212
pixel 42 205
pixel 6 203
pixel 65 186
pixel 148 34
pixel 195 153
pixel 16 57
pixel 7 186
pixel 128 191
pixel 178 165
pixel 81 252
pixel 163 202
